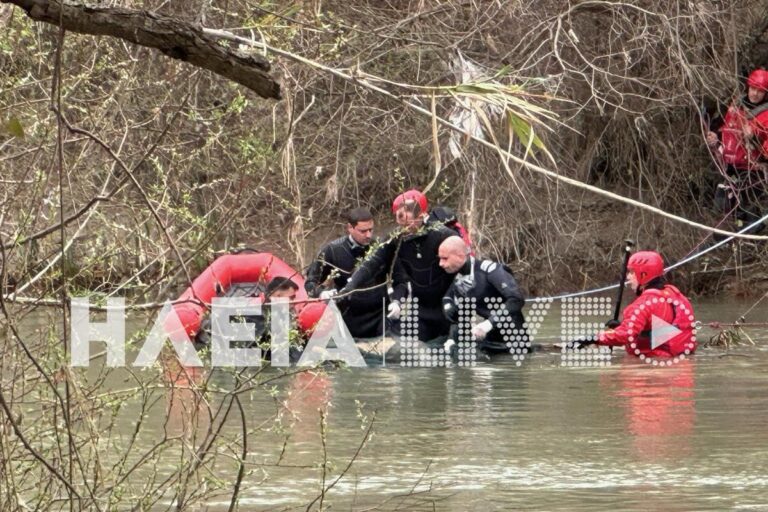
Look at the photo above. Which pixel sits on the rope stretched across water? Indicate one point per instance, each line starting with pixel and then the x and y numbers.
pixel 687 259
pixel 680 263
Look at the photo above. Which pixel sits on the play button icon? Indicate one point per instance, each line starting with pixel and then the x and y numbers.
pixel 661 331
pixel 680 339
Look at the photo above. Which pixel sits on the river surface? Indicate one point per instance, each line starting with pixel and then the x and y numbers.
pixel 539 436
pixel 693 436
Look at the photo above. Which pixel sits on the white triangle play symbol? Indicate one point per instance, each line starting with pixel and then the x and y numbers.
pixel 661 331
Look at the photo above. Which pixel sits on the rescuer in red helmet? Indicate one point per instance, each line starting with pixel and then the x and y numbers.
pixel 409 258
pixel 438 215
pixel 410 195
pixel 743 141
pixel 659 323
pixel 740 145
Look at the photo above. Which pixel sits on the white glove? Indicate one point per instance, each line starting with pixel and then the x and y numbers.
pixel 481 330
pixel 393 310
pixel 448 345
pixel 328 294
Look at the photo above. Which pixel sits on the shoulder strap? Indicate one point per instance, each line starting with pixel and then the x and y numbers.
pixel 753 113
pixel 488 266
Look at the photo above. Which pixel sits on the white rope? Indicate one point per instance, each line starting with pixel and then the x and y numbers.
pixel 671 267
pixel 357 77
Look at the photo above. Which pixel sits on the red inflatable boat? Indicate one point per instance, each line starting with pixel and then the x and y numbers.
pixel 243 275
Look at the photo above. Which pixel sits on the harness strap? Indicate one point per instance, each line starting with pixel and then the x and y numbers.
pixel 753 113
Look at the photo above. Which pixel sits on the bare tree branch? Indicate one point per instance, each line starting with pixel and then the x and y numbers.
pixel 175 38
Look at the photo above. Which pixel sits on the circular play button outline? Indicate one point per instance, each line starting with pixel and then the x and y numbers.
pixel 664 361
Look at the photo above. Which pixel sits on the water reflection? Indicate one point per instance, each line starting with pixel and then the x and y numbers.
pixel 539 437
pixel 308 397
pixel 187 412
pixel 659 407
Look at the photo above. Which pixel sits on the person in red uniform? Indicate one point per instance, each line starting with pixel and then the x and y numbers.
pixel 655 298
pixel 743 141
pixel 742 150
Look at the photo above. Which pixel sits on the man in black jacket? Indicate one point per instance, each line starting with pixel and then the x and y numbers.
pixel 409 259
pixel 336 262
pixel 494 292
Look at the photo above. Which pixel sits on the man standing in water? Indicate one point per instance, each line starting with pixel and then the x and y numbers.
pixel 485 283
pixel 336 262
pixel 409 258
pixel 659 322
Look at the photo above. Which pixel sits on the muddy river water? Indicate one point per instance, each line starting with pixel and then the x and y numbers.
pixel 498 436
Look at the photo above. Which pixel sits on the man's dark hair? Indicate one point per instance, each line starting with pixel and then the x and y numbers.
pixel 281 283
pixel 356 215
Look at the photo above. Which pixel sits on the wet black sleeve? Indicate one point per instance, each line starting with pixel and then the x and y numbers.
pixel 318 272
pixel 371 267
pixel 400 280
pixel 507 287
pixel 450 307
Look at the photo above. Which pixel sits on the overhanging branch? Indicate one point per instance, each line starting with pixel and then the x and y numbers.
pixel 359 78
pixel 173 37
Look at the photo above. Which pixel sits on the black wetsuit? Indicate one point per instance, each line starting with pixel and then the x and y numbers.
pixel 414 265
pixel 485 279
pixel 363 312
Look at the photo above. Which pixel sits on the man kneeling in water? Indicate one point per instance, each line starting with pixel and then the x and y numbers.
pixel 655 298
pixel 492 290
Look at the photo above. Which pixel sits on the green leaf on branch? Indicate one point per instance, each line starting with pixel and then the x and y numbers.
pixel 524 132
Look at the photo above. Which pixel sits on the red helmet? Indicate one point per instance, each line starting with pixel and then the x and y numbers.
pixel 758 79
pixel 410 195
pixel 647 265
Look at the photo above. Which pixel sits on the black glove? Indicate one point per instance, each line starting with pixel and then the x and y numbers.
pixel 612 324
pixel 450 310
